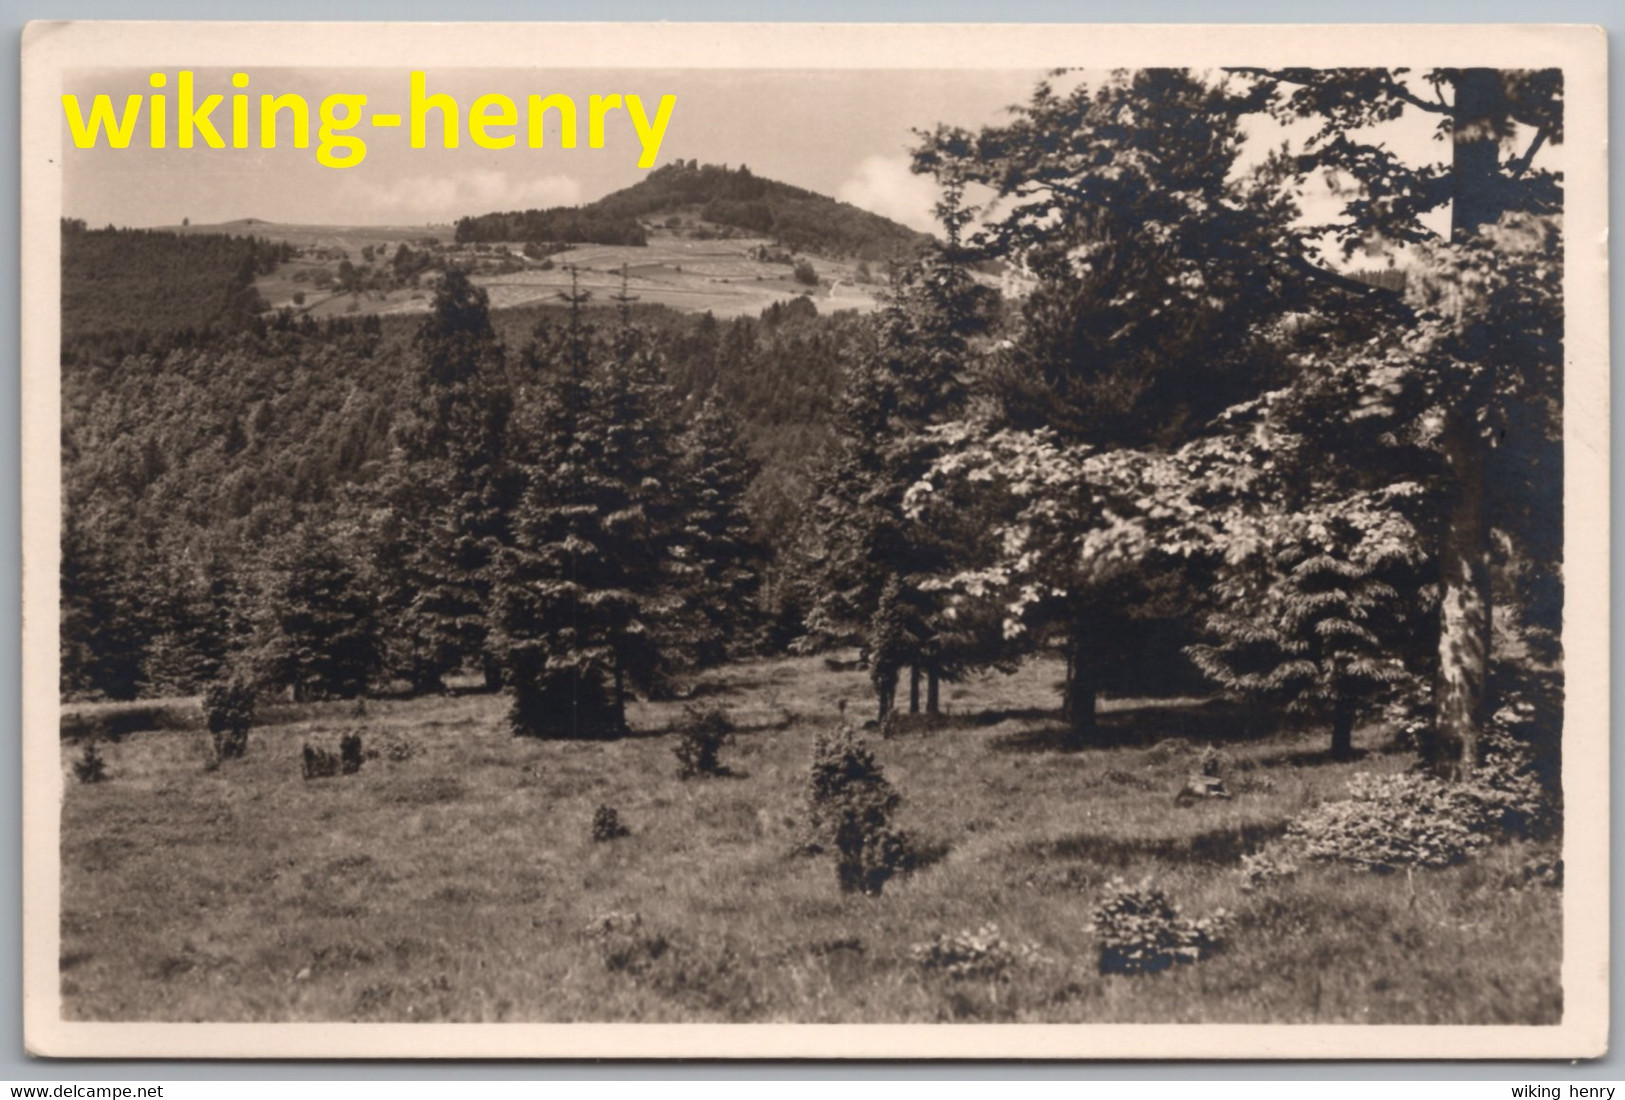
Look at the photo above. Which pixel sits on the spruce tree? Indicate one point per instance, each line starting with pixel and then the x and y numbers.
pixel 316 630
pixel 447 486
pixel 715 560
pixel 914 375
pixel 585 579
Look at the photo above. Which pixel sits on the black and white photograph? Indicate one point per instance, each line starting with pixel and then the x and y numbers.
pixel 889 541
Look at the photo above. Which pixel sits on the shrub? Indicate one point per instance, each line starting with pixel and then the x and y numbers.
pixel 1414 819
pixel 1140 931
pixel 1260 869
pixel 397 747
pixel 850 804
pixel 319 763
pixel 980 954
pixel 1515 795
pixel 350 753
pixel 623 944
pixel 1214 763
pixel 228 710
pixel 90 767
pixel 606 824
pixel 705 731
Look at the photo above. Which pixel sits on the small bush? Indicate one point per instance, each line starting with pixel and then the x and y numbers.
pixel 1541 869
pixel 1140 931
pixel 1394 821
pixel 396 747
pixel 1514 794
pixel 350 755
pixel 1260 869
pixel 606 824
pixel 1214 763
pixel 319 763
pixel 705 731
pixel 1164 751
pixel 228 711
pixel 1254 783
pixel 850 804
pixel 623 944
pixel 90 767
pixel 980 954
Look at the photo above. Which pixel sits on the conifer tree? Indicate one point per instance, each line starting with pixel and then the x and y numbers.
pixel 448 488
pixel 584 578
pixel 714 560
pixel 316 629
pixel 914 375
pixel 1325 629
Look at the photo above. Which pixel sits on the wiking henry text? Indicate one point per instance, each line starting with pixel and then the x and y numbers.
pixel 492 121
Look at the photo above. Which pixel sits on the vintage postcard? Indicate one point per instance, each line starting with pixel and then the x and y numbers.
pixel 762 541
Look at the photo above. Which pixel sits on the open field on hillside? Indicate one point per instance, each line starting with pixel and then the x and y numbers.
pixel 674 269
pixel 455 876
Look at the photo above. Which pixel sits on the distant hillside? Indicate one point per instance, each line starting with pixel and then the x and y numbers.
pixel 135 280
pixel 733 198
pixel 556 224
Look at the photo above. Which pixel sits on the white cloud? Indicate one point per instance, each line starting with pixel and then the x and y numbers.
pixel 885 186
pixel 444 198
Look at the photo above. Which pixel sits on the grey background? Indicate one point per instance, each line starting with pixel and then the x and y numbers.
pixel 16 1065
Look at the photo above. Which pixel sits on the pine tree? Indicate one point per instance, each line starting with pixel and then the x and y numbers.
pixel 585 578
pixel 1326 630
pixel 914 375
pixel 448 487
pixel 715 560
pixel 316 631
pixel 188 606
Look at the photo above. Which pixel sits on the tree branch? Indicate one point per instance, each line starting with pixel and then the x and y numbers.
pixel 1341 282
pixel 1398 89
pixel 1521 165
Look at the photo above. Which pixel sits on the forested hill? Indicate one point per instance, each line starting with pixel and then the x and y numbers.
pixel 732 198
pixel 149 281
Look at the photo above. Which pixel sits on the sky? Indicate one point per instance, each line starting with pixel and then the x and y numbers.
pixel 841 133
pixel 845 133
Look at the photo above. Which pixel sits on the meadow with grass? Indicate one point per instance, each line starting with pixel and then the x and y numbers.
pixel 455 876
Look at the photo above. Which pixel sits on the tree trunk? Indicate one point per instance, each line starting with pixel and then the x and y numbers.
pixel 493 672
pixel 933 694
pixel 1460 690
pixel 620 696
pixel 1479 194
pixel 1343 729
pixel 885 692
pixel 914 689
pixel 1460 687
pixel 1082 689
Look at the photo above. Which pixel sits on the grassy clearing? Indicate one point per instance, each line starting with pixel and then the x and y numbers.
pixel 457 880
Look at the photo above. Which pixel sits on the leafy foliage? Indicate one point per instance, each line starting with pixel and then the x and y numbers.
pixel 705 731
pixel 1411 819
pixel 984 953
pixel 586 572
pixel 1141 932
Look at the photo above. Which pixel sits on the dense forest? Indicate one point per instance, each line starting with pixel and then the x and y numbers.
pixel 735 198
pixel 187 454
pixel 151 281
pixel 555 225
